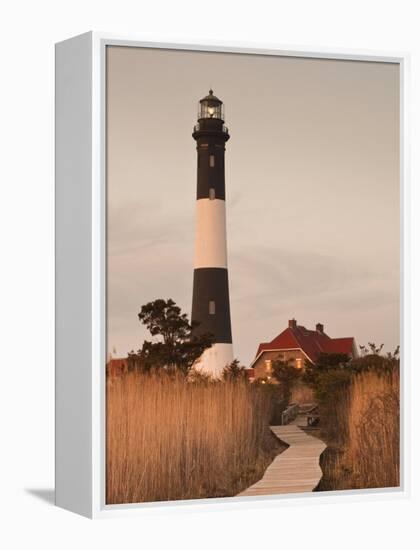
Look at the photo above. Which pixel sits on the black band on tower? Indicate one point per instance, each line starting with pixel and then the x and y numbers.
pixel 210 306
pixel 208 176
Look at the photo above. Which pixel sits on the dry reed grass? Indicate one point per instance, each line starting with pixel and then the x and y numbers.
pixel 168 439
pixel 366 455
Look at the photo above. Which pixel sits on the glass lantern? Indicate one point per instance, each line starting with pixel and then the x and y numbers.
pixel 211 107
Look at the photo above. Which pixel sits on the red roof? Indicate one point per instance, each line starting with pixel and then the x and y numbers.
pixel 311 342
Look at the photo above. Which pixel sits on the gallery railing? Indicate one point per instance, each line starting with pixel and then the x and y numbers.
pixel 197 128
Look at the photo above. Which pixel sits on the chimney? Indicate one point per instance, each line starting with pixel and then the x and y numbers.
pixel 292 323
pixel 320 328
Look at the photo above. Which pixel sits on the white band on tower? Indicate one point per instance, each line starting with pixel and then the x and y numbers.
pixel 210 237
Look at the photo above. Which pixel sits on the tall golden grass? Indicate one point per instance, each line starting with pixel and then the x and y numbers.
pixel 169 439
pixel 366 436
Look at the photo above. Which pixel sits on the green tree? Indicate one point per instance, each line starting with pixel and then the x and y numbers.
pixel 328 374
pixel 326 362
pixel 179 347
pixel 164 318
pixel 287 375
pixel 334 371
pixel 371 359
pixel 234 371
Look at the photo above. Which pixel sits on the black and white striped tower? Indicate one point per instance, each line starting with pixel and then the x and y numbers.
pixel 210 304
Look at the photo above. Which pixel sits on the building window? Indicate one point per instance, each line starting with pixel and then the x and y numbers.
pixel 211 161
pixel 212 193
pixel 212 307
pixel 268 365
pixel 298 363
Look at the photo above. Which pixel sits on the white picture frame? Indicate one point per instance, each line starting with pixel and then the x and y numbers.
pixel 80 274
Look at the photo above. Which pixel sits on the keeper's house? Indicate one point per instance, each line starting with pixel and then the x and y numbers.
pixel 298 345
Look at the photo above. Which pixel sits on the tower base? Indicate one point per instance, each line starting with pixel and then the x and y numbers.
pixel 215 359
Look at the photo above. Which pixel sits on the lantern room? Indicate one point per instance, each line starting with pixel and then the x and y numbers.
pixel 211 107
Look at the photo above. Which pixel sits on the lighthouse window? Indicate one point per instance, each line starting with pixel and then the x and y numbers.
pixel 211 160
pixel 212 193
pixel 212 307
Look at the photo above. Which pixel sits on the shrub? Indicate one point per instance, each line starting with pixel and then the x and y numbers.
pixel 234 371
pixel 364 447
pixel 331 376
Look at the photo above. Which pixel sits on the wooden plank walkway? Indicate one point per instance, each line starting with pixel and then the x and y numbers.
pixel 295 470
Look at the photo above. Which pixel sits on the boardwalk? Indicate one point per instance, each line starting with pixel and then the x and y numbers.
pixel 295 470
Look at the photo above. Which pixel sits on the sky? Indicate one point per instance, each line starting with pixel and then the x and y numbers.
pixel 312 192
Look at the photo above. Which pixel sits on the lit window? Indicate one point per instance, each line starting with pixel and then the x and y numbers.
pixel 212 193
pixel 211 160
pixel 268 365
pixel 212 307
pixel 298 363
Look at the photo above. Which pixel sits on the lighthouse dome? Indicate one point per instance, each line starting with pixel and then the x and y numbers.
pixel 211 107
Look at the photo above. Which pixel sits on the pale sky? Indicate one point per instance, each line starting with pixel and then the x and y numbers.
pixel 312 192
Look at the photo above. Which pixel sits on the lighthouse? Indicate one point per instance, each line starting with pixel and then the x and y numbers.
pixel 210 303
